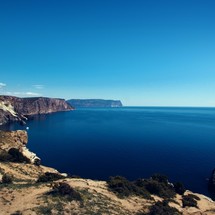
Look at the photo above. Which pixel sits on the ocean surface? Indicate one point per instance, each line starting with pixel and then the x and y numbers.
pixel 134 142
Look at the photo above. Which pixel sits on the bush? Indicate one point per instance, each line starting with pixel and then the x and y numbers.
pixel 189 201
pixel 124 188
pixel 121 186
pixel 157 185
pixel 7 179
pixel 194 197
pixel 17 156
pixel 179 188
pixel 160 189
pixel 49 177
pixel 37 162
pixel 160 178
pixel 46 210
pixel 162 208
pixel 64 189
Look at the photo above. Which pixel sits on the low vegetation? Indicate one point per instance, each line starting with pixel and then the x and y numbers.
pixel 162 208
pixel 65 190
pixel 190 200
pixel 179 188
pixel 156 185
pixel 7 179
pixel 160 189
pixel 124 188
pixel 49 177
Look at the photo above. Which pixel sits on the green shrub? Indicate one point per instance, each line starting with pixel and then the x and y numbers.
pixel 179 188
pixel 64 189
pixel 7 179
pixel 193 196
pixel 157 185
pixel 160 178
pixel 49 177
pixel 190 201
pixel 162 208
pixel 141 190
pixel 160 189
pixel 121 186
pixel 124 188
pixel 44 210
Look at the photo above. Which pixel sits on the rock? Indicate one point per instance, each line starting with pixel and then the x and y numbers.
pixel 31 156
pixel 20 136
pixel 64 174
pixel 18 109
pixel 14 143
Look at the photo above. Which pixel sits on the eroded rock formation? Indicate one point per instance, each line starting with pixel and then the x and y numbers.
pixel 17 109
pixel 13 147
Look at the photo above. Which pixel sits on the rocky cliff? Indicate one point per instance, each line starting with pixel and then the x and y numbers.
pixel 13 147
pixel 16 109
pixel 94 103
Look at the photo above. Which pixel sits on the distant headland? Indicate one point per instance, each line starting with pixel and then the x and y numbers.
pixel 19 109
pixel 77 103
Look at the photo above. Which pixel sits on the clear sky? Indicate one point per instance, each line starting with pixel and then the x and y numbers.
pixel 144 52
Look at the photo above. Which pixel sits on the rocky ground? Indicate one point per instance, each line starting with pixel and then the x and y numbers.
pixel 57 193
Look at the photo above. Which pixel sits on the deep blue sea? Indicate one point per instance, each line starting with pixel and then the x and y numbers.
pixel 134 142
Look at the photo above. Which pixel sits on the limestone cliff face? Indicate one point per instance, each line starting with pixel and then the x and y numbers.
pixel 16 109
pixel 13 146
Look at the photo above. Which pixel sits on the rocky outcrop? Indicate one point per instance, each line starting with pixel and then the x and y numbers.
pixel 17 109
pixel 8 114
pixel 94 103
pixel 13 147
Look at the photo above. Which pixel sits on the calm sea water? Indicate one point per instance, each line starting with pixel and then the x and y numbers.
pixel 132 142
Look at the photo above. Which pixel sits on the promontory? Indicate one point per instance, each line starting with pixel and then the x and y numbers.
pixel 94 103
pixel 17 109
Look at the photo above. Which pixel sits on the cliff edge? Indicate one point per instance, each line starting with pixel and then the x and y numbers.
pixel 17 109
pixel 13 147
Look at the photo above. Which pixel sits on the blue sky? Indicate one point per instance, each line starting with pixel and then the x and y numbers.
pixel 144 52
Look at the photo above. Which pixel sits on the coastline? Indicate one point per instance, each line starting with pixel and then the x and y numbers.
pixel 25 176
